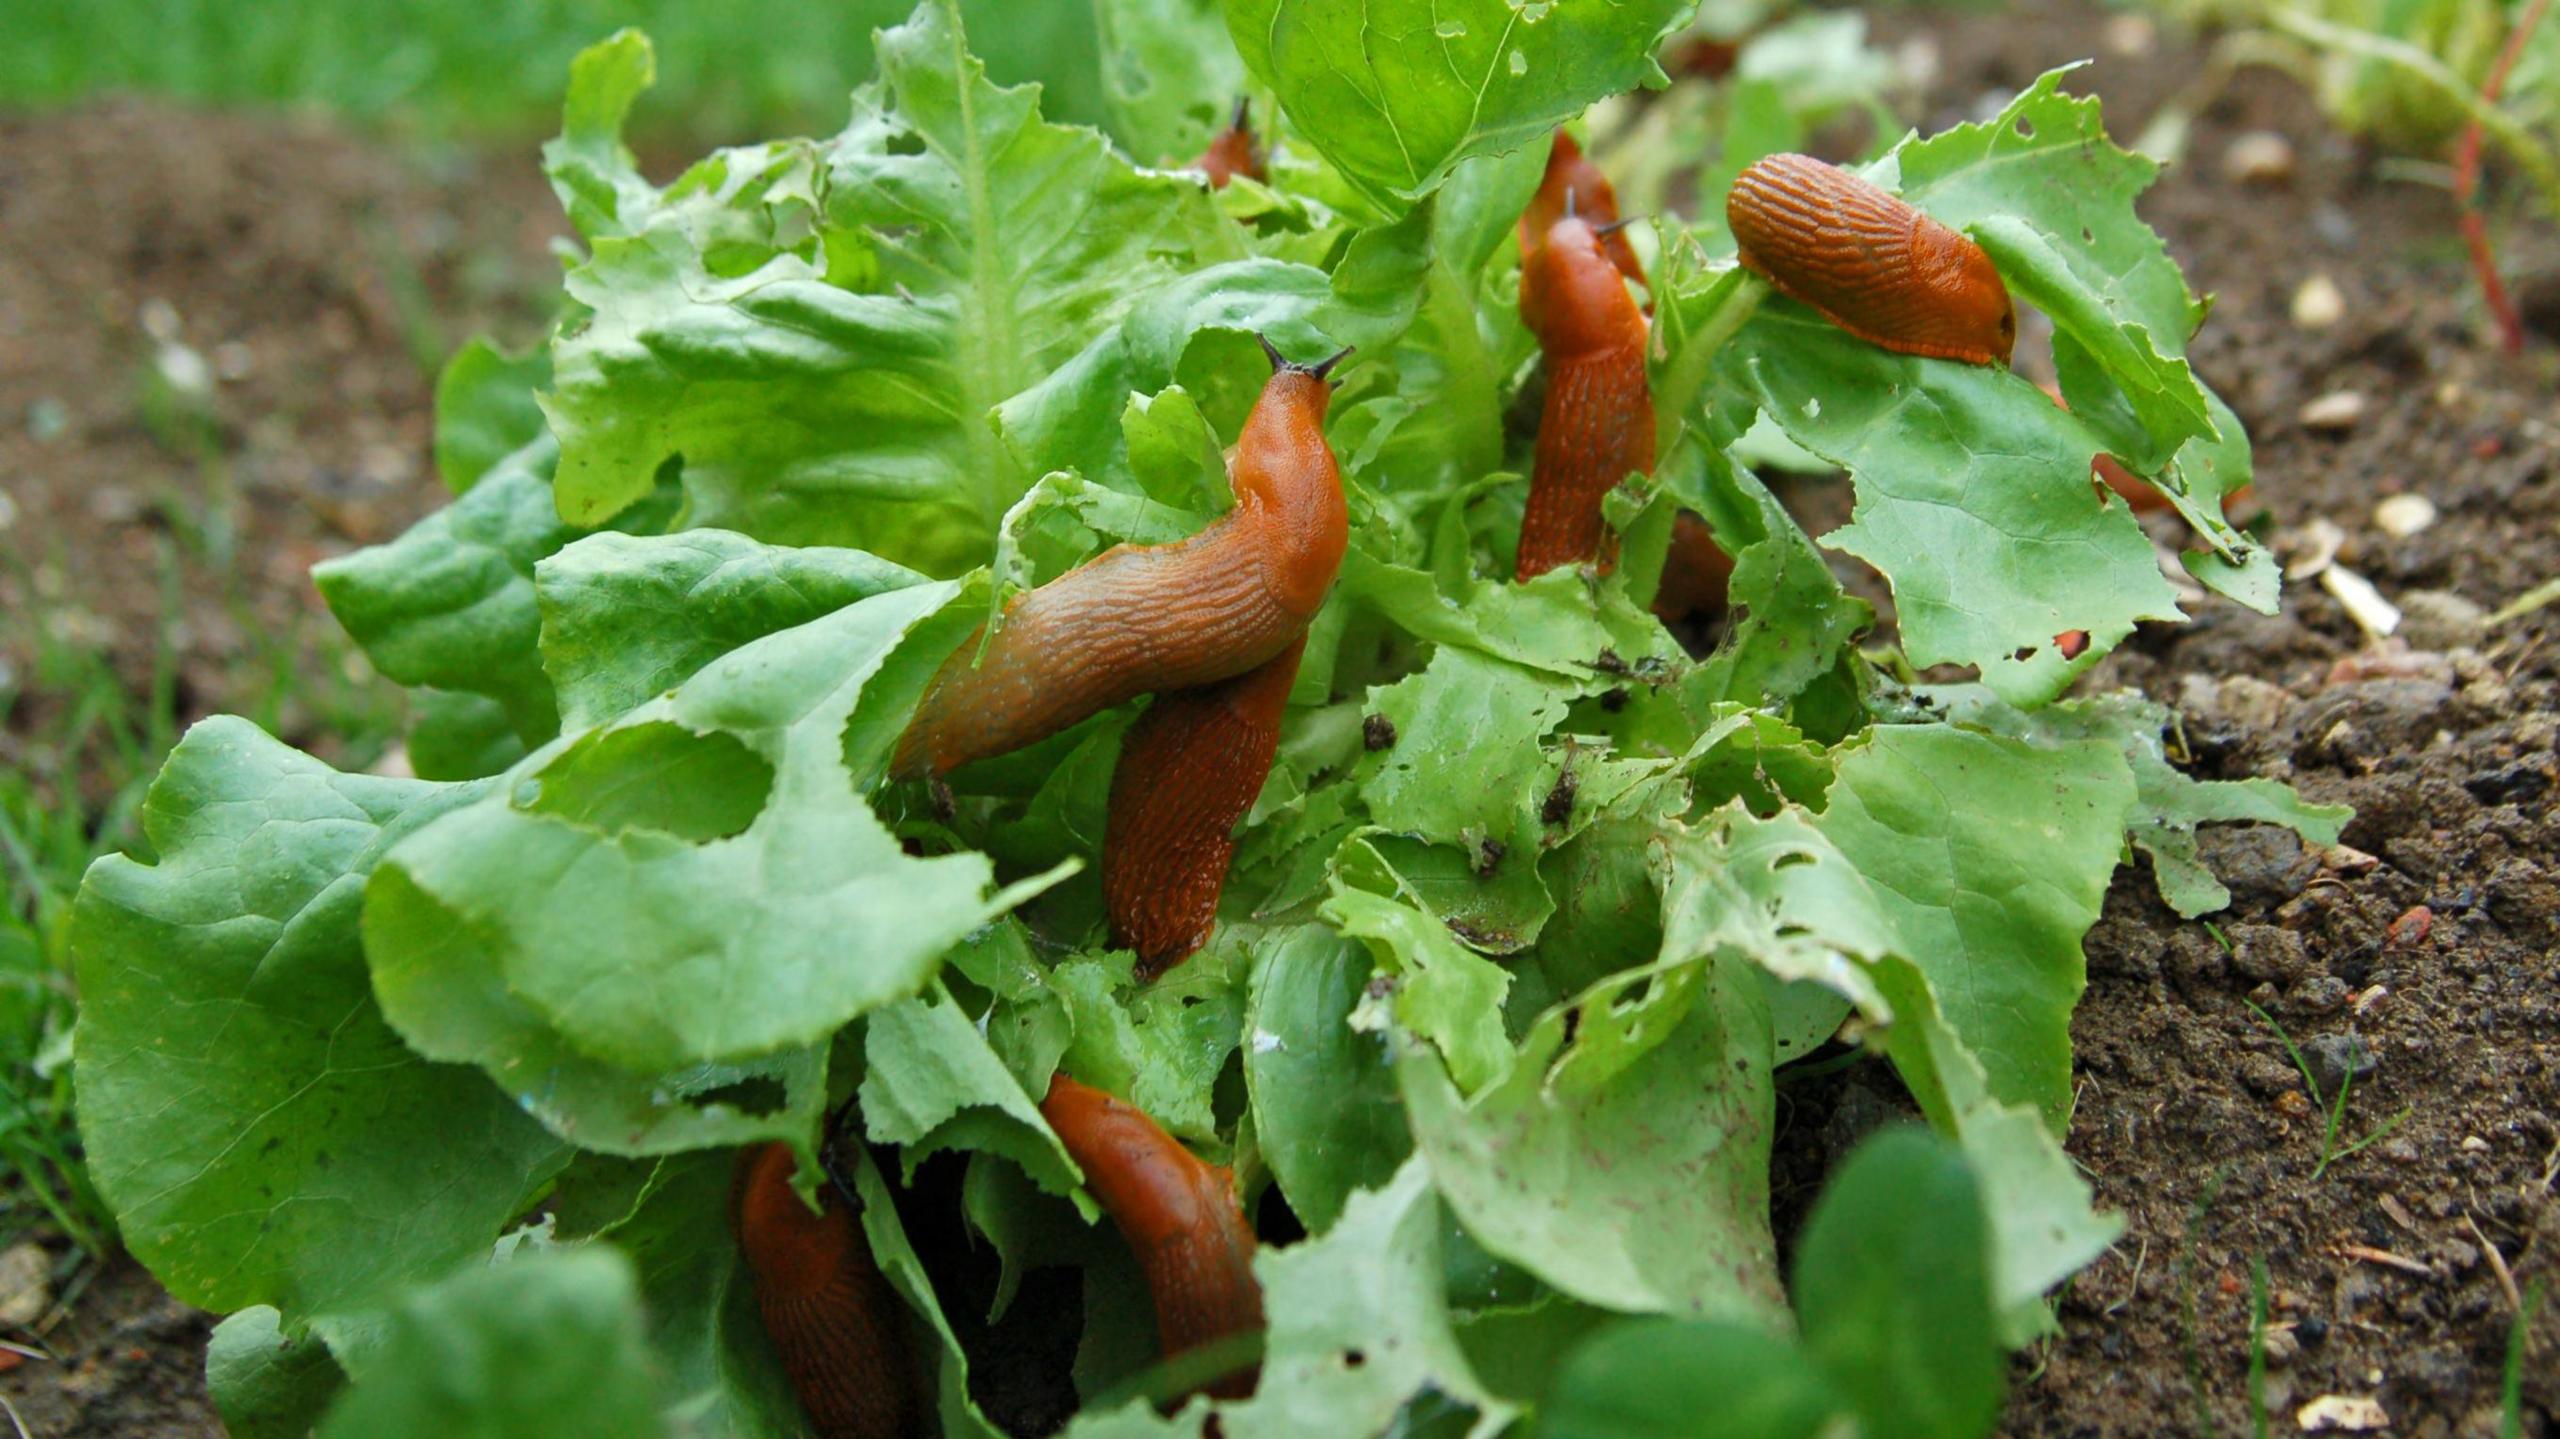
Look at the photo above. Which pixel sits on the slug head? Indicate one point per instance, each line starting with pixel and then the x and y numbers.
pixel 1979 316
pixel 1573 299
pixel 1234 150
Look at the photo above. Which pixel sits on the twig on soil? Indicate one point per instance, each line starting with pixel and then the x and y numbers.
pixel 2526 603
pixel 2497 1264
pixel 2385 1257
pixel 2466 185
pixel 2140 1259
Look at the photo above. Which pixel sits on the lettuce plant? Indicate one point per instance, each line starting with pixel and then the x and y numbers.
pixel 1498 1007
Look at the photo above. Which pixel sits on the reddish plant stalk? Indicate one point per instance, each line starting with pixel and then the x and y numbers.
pixel 2466 185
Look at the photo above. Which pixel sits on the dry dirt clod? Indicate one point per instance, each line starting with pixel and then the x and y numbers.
pixel 2259 157
pixel 2404 515
pixel 2341 1413
pixel 26 1285
pixel 2317 304
pixel 2336 412
pixel 2441 620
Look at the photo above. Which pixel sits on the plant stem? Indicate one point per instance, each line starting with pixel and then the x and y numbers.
pixel 2510 133
pixel 2466 185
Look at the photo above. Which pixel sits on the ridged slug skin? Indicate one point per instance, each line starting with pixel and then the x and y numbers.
pixel 1696 572
pixel 1189 769
pixel 1569 171
pixel 1179 1216
pixel 836 1325
pixel 1871 263
pixel 1234 150
pixel 1141 618
pixel 1596 426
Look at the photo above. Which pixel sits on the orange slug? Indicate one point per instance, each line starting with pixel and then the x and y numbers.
pixel 1695 572
pixel 835 1323
pixel 1233 151
pixel 1596 427
pixel 1575 186
pixel 1140 618
pixel 1189 769
pixel 1180 1217
pixel 1869 262
pixel 2141 498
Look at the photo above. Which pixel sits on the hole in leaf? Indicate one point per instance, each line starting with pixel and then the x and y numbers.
pixel 755 1097
pixel 1353 1359
pixel 656 776
pixel 1791 859
pixel 2026 128
pixel 2024 653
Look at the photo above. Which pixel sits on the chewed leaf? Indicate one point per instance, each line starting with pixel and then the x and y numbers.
pixel 654 949
pixel 1974 500
pixel 1397 92
pixel 2170 805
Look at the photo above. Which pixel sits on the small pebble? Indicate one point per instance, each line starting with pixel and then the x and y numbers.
pixel 2334 1058
pixel 2441 620
pixel 2412 926
pixel 2404 515
pixel 2131 35
pixel 2260 157
pixel 2317 304
pixel 2335 412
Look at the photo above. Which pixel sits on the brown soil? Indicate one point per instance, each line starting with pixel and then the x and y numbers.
pixel 2430 942
pixel 301 286
pixel 129 1362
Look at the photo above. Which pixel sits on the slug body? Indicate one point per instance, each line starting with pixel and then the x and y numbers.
pixel 1141 618
pixel 1871 263
pixel 1696 572
pixel 1179 1216
pixel 1189 769
pixel 834 1321
pixel 1234 150
pixel 1573 185
pixel 1596 426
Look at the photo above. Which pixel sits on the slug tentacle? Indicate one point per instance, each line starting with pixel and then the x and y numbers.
pixel 835 1323
pixel 1234 150
pixel 1189 770
pixel 1870 262
pixel 1141 618
pixel 1574 186
pixel 1179 1216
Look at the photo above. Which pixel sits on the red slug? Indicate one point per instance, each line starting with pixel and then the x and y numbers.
pixel 1179 1216
pixel 1142 618
pixel 1869 262
pixel 2141 498
pixel 835 1323
pixel 1573 185
pixel 1597 424
pixel 1233 150
pixel 1189 769
pixel 1695 572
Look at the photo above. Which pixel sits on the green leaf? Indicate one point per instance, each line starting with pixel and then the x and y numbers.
pixel 450 603
pixel 1891 1285
pixel 704 1332
pixel 822 332
pixel 1358 1324
pixel 1396 92
pixel 931 1082
pixel 1624 1156
pixel 458 736
pixel 443 987
pixel 536 1346
pixel 1444 992
pixel 684 938
pixel 267 1385
pixel 485 410
pixel 1989 858
pixel 262 1136
pixel 625 618
pixel 1654 1378
pixel 2169 805
pixel 1325 1108
pixel 2042 1226
pixel 1162 1044
pixel 1169 76
pixel 1973 500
